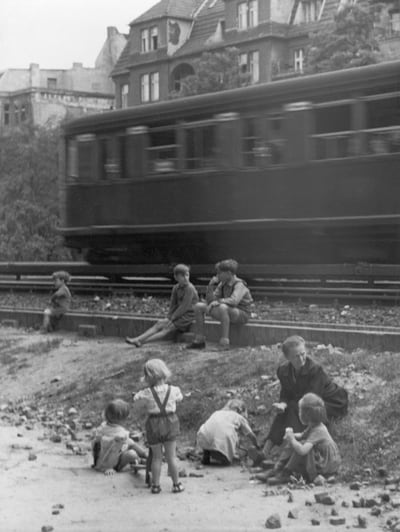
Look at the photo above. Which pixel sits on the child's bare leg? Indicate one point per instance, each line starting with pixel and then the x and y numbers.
pixel 156 464
pixel 170 455
pixel 157 327
pixel 127 457
pixel 221 313
pixel 160 335
pixel 200 310
pixel 46 320
pixel 139 450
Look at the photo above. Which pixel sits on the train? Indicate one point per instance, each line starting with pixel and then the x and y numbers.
pixel 296 171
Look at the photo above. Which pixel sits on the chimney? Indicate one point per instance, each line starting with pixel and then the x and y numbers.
pixel 34 75
pixel 77 65
pixel 111 32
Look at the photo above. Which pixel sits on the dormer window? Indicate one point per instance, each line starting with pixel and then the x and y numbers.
pixel 144 39
pixel 310 10
pixel 247 14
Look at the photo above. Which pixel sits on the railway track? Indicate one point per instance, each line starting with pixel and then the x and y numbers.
pixel 341 283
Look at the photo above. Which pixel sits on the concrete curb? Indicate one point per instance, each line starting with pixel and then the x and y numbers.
pixel 249 335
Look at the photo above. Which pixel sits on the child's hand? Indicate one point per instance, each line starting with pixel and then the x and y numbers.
pixel 213 304
pixel 289 434
pixel 109 472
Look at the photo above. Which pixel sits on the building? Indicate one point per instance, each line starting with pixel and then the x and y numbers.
pixel 43 96
pixel 271 36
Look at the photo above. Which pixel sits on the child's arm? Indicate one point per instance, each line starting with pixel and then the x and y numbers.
pixel 300 448
pixel 173 304
pixel 253 438
pixel 237 295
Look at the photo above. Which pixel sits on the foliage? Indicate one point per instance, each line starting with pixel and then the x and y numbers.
pixel 29 207
pixel 347 42
pixel 214 71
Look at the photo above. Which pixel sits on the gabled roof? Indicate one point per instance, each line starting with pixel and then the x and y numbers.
pixel 184 9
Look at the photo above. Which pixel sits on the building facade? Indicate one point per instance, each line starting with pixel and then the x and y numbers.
pixel 271 36
pixel 46 96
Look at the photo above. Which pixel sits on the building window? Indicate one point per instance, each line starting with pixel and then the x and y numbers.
pixel 242 16
pixel 6 111
pixel 16 113
pixel 253 13
pixel 124 95
pixel 250 63
pixel 144 88
pixel 23 113
pixel 145 45
pixel 254 69
pixel 311 10
pixel 298 60
pixel 395 22
pixel 154 38
pixel 51 83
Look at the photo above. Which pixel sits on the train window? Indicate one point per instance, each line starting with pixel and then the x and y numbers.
pixel 333 138
pixel 72 159
pixel 200 141
pixel 163 150
pixel 112 157
pixel 86 151
pixel 383 124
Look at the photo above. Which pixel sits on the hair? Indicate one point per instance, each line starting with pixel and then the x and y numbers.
pixel 227 265
pixel 155 371
pixel 181 269
pixel 62 275
pixel 116 411
pixel 312 409
pixel 292 341
pixel 237 405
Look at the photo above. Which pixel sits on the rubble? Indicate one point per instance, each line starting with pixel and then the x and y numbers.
pixel 337 521
pixel 273 522
pixel 362 521
pixel 293 514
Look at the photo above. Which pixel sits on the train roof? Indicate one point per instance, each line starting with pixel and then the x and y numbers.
pixel 328 85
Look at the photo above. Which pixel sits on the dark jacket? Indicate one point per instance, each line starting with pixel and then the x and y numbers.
pixel 312 379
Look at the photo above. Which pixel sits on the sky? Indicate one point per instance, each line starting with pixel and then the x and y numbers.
pixel 57 33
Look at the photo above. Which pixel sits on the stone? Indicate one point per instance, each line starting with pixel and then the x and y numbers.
pixel 273 522
pixel 357 503
pixel 193 474
pixel 345 504
pixel 267 464
pixel 334 512
pixel 355 486
pixel 375 511
pixel 319 481
pixel 362 521
pixel 385 497
pixel 57 378
pixel 324 498
pixel 21 447
pixel 315 522
pixel 182 473
pixel 337 521
pixel 308 503
pixel 370 503
pixel 88 425
pixel 88 331
pixel 72 411
pixel 290 497
pixel 382 472
pixel 293 514
pixel 47 528
pixel 55 512
pixel 32 457
pixel 55 438
pixel 395 503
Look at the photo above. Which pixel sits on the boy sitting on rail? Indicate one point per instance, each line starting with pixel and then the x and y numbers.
pixel 59 303
pixel 228 300
pixel 181 314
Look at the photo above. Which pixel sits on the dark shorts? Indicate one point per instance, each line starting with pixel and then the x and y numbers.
pixel 162 429
pixel 183 323
pixel 55 318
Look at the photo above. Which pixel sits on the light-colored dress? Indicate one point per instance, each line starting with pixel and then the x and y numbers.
pixel 113 440
pixel 221 433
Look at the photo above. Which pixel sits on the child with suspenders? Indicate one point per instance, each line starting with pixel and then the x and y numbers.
pixel 162 425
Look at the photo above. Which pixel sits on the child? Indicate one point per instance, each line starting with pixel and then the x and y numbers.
pixel 312 452
pixel 59 303
pixel 229 303
pixel 162 425
pixel 218 437
pixel 181 314
pixel 112 448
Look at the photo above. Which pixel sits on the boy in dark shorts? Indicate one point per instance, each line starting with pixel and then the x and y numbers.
pixel 181 310
pixel 59 303
pixel 228 301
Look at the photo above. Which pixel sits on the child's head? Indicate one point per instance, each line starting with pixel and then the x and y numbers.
pixel 156 372
pixel 312 409
pixel 60 278
pixel 116 411
pixel 237 405
pixel 181 273
pixel 294 349
pixel 226 269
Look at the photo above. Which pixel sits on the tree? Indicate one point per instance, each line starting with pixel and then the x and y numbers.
pixel 347 42
pixel 214 71
pixel 29 206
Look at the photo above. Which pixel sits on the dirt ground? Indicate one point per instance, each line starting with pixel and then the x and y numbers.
pixel 37 474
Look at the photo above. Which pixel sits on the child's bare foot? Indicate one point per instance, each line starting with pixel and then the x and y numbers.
pixel 109 472
pixel 132 341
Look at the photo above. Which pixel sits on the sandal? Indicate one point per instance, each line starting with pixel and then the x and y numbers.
pixel 155 489
pixel 132 341
pixel 178 488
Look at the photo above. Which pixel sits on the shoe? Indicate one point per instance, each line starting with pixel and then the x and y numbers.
pixel 178 488
pixel 196 345
pixel 155 489
pixel 224 345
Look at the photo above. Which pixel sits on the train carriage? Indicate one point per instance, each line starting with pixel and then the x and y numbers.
pixel 304 170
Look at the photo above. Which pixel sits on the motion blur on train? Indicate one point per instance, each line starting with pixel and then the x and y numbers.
pixel 305 170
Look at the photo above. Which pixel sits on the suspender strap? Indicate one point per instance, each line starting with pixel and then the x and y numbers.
pixel 162 406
